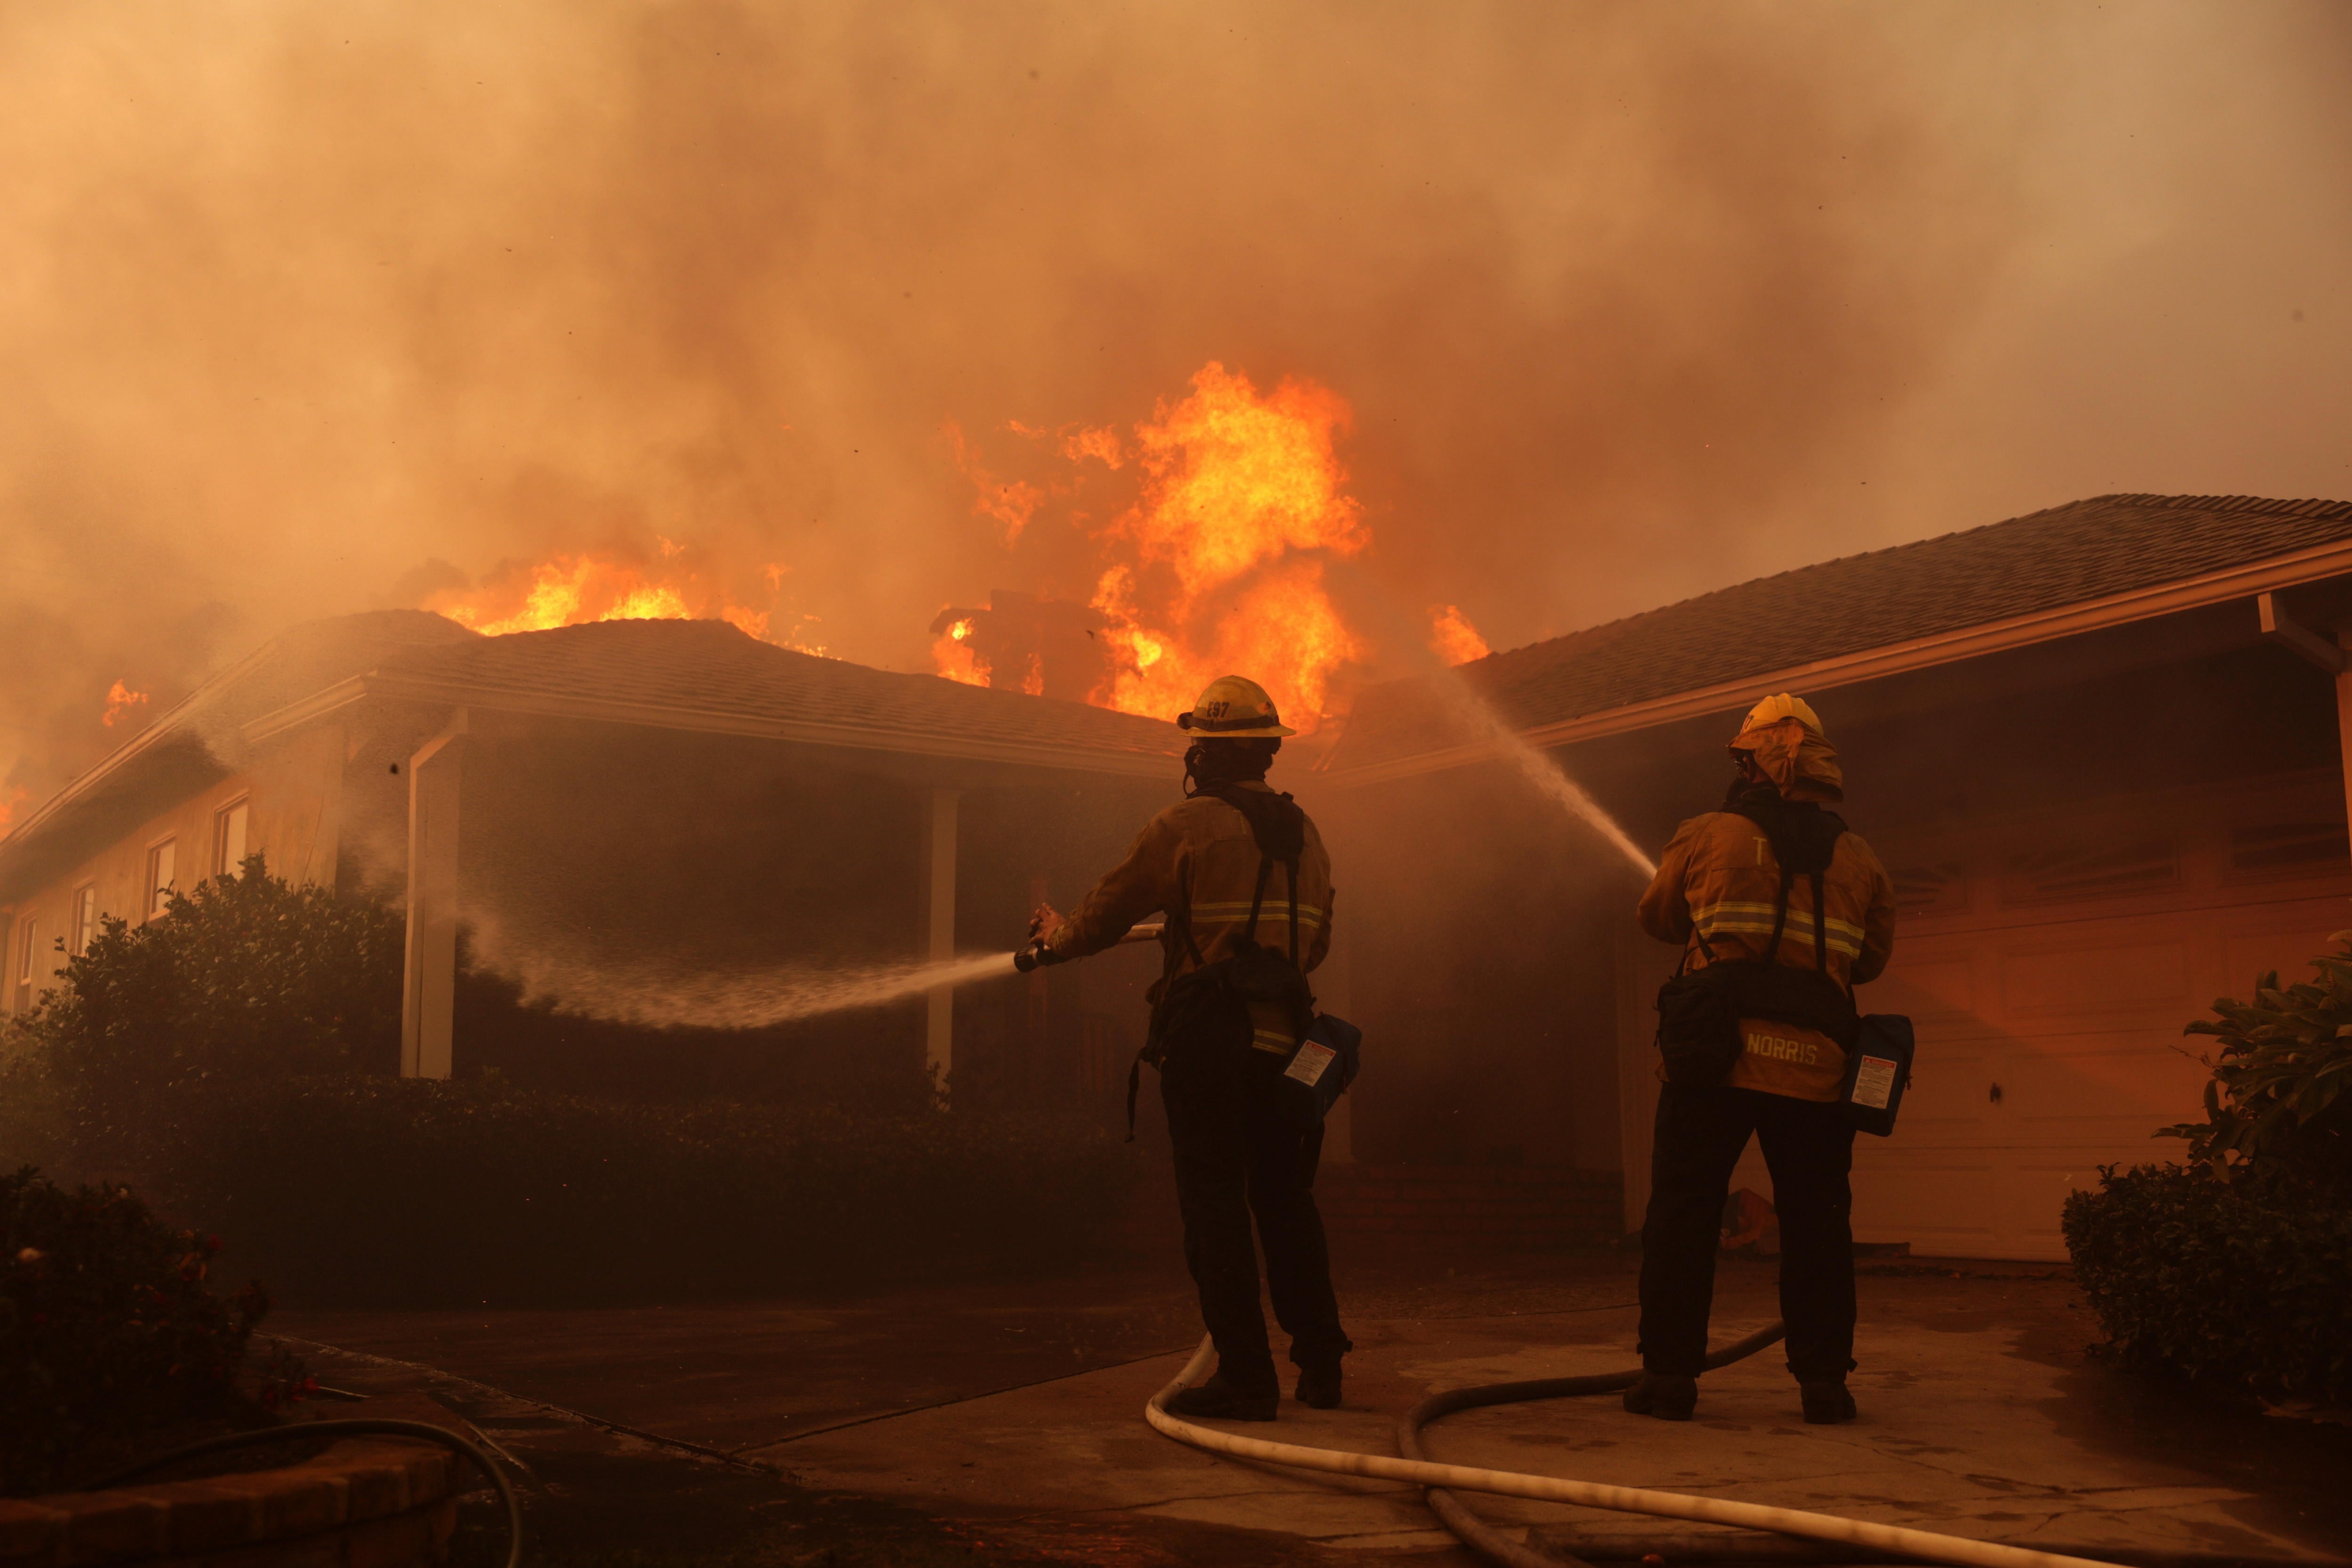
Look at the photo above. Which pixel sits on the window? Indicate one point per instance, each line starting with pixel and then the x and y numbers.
pixel 2288 849
pixel 228 838
pixel 85 918
pixel 162 868
pixel 24 947
pixel 2099 870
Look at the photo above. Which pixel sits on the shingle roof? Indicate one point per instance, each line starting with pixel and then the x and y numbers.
pixel 2082 553
pixel 706 674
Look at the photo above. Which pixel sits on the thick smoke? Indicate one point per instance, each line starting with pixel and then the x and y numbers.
pixel 297 302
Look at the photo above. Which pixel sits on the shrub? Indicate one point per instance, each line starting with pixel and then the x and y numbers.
pixel 2237 1282
pixel 220 1055
pixel 108 1334
pixel 248 976
pixel 2237 1268
pixel 407 1190
pixel 2277 1098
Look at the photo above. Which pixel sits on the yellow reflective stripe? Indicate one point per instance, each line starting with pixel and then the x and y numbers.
pixel 1265 918
pixel 1801 939
pixel 1764 912
pixel 1272 1040
pixel 1271 906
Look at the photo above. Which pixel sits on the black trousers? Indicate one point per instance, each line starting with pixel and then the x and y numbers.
pixel 1236 1156
pixel 1809 1147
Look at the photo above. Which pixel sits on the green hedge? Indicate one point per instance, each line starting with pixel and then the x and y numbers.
pixel 2243 1283
pixel 383 1190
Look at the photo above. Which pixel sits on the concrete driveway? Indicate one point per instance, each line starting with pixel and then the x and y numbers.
pixel 1982 1414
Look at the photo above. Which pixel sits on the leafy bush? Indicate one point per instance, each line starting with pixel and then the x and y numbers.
pixel 2237 1282
pixel 2277 1096
pixel 108 1334
pixel 2237 1268
pixel 219 1056
pixel 246 977
pixel 409 1190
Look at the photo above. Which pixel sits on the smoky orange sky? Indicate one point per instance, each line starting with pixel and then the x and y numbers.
pixel 309 309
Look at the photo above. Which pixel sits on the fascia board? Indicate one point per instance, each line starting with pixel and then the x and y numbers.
pixel 1893 659
pixel 294 715
pixel 719 722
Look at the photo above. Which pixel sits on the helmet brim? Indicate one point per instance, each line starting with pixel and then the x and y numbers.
pixel 1265 732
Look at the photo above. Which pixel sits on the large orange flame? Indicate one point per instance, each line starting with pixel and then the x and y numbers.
pixel 1216 568
pixel 567 590
pixel 1451 635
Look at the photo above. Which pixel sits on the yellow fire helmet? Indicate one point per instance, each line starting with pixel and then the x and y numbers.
pixel 1772 711
pixel 1235 707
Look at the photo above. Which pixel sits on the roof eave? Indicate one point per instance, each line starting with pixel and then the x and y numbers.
pixel 1893 658
pixel 1062 757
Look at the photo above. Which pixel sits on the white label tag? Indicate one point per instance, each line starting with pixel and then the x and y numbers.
pixel 1307 1066
pixel 1874 1085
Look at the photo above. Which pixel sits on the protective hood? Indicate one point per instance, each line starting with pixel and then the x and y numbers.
pixel 1790 750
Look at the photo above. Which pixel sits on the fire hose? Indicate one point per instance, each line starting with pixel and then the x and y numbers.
pixel 1443 1480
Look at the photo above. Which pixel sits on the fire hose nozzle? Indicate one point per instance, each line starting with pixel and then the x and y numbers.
pixel 1035 954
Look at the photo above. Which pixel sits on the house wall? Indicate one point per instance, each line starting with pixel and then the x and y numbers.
pixel 292 792
pixel 1477 918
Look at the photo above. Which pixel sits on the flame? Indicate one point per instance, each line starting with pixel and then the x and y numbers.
pixel 15 797
pixel 568 590
pixel 120 701
pixel 1451 635
pixel 955 657
pixel 1213 568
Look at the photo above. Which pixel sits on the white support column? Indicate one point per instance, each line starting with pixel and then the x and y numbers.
pixel 2333 654
pixel 2344 707
pixel 428 999
pixel 940 902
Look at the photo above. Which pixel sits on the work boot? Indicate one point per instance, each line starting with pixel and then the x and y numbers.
pixel 1319 1387
pixel 1826 1403
pixel 1217 1400
pixel 1667 1398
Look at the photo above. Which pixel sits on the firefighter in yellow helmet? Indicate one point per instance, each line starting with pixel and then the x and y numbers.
pixel 1781 910
pixel 1242 876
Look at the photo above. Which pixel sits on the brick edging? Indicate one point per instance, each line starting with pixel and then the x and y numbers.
pixel 363 1502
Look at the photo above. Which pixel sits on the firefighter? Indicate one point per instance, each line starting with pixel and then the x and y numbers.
pixel 1242 877
pixel 1738 887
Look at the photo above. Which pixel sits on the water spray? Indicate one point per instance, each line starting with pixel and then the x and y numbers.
pixel 663 998
pixel 1491 731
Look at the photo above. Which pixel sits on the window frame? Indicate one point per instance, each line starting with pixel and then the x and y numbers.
pixel 81 919
pixel 222 865
pixel 25 940
pixel 151 906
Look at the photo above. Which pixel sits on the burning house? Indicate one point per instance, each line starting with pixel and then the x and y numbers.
pixel 658 827
pixel 2100 749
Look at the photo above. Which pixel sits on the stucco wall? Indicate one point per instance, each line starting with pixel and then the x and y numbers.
pixel 292 794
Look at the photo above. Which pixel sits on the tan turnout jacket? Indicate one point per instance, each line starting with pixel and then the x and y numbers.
pixel 1208 844
pixel 1719 876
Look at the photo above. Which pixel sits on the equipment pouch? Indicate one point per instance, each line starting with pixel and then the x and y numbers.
pixel 1699 1029
pixel 1320 1069
pixel 1877 1068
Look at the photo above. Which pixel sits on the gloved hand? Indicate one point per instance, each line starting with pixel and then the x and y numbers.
pixel 1035 954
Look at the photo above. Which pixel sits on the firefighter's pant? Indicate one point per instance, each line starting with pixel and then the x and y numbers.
pixel 1237 1156
pixel 1809 1148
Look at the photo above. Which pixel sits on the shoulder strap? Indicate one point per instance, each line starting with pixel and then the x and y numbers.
pixel 1821 941
pixel 1290 868
pixel 1182 915
pixel 1257 900
pixel 1781 913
